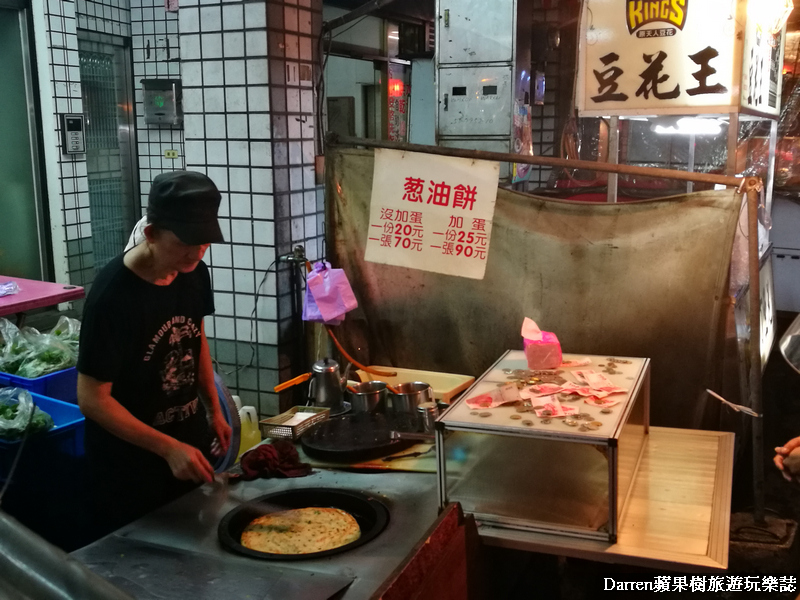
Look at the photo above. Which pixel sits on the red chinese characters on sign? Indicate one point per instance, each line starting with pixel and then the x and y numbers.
pixel 461 242
pixel 440 193
pixel 413 188
pixel 400 229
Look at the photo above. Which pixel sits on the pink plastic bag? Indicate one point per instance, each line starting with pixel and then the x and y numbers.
pixel 328 295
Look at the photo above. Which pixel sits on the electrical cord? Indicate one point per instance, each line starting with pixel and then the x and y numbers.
pixel 324 53
pixel 17 456
pixel 252 326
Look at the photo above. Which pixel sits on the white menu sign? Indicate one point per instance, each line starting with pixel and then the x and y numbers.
pixel 432 213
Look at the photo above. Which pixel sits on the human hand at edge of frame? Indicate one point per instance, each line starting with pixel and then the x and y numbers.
pixel 188 463
pixel 781 452
pixel 222 432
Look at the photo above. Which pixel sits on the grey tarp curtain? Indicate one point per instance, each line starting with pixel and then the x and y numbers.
pixel 635 279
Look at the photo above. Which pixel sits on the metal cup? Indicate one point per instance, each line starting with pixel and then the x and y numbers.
pixel 410 396
pixel 428 411
pixel 370 397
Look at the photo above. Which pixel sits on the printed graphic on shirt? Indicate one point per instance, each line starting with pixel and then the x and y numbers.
pixel 178 366
pixel 176 413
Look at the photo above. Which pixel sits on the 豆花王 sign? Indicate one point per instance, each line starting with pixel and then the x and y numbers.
pixel 679 57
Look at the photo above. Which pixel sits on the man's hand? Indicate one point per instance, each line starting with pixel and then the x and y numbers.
pixel 223 432
pixel 782 452
pixel 188 463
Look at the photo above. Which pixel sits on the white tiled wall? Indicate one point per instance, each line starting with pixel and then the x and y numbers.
pixel 219 51
pixel 156 54
pixel 56 42
pixel 105 16
pixel 227 129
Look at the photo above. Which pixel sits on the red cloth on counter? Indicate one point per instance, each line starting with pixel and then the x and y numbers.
pixel 278 459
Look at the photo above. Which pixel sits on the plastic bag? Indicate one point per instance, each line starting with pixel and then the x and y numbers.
pixel 68 331
pixel 16 407
pixel 8 288
pixel 14 348
pixel 328 295
pixel 29 353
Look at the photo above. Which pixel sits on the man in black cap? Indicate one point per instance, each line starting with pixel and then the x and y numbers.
pixel 144 360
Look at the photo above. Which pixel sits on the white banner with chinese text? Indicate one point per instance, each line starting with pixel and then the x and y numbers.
pixel 432 213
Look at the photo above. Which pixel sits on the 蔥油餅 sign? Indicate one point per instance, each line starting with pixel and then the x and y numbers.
pixel 657 57
pixel 432 213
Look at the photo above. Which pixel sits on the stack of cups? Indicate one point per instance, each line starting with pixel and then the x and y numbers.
pixel 414 402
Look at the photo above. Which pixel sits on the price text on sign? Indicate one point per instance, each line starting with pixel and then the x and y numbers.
pixel 431 213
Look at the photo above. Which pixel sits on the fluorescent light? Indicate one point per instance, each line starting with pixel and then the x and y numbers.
pixel 689 126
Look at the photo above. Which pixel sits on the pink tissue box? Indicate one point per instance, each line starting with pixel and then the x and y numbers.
pixel 543 354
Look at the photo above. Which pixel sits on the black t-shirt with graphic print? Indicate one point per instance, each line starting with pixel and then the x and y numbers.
pixel 144 339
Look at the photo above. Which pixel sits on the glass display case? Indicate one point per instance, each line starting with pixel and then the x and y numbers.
pixel 565 475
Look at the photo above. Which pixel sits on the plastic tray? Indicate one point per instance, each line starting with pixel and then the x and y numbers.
pixel 274 426
pixel 66 438
pixel 445 385
pixel 61 385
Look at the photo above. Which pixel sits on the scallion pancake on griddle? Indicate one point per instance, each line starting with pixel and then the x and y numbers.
pixel 301 531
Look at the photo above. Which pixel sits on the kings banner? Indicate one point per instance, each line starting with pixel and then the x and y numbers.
pixel 661 57
pixel 432 213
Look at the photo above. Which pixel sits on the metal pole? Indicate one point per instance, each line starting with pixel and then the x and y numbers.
pixel 36 569
pixel 754 296
pixel 690 161
pixel 773 146
pixel 733 143
pixel 549 161
pixel 613 158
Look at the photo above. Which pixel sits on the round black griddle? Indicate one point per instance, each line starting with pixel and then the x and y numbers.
pixel 372 517
pixel 354 438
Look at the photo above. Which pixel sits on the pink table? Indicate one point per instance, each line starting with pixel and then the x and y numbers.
pixel 36 294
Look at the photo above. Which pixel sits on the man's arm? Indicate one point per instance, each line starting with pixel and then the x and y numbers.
pixel 209 396
pixel 96 403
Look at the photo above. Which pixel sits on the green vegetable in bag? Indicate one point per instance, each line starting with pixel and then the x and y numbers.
pixel 16 406
pixel 29 353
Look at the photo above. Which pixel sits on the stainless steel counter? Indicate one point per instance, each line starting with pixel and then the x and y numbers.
pixel 188 526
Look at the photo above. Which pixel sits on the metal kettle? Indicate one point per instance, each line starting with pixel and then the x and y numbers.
pixel 327 386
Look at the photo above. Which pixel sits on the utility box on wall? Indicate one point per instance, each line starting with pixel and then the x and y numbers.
pixel 163 102
pixel 483 66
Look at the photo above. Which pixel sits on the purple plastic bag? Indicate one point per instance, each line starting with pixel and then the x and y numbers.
pixel 328 295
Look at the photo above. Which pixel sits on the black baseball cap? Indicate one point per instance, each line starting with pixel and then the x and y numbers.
pixel 186 203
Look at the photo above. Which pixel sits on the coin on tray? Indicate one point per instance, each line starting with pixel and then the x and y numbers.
pixel 545 421
pixel 606 411
pixel 583 428
pixel 570 422
pixel 486 414
pixel 516 417
pixel 527 423
pixel 474 413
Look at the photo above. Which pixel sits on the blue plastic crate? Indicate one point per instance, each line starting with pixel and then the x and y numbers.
pixel 61 385
pixel 41 449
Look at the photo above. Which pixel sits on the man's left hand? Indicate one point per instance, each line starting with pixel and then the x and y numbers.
pixel 222 432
